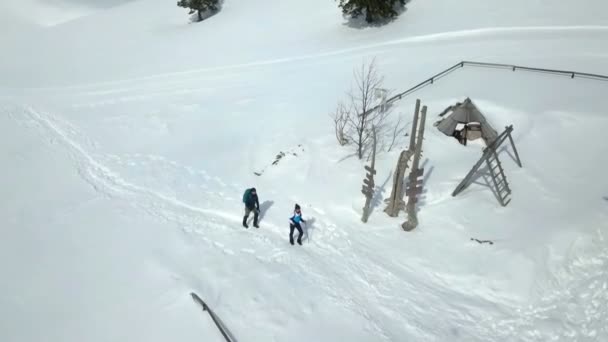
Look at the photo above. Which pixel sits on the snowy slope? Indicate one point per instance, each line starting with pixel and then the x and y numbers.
pixel 128 145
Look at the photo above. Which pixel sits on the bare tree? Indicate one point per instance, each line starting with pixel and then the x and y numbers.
pixel 365 108
pixel 365 114
pixel 341 117
pixel 398 129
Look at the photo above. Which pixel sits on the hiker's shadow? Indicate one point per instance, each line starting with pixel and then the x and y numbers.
pixel 308 228
pixel 264 208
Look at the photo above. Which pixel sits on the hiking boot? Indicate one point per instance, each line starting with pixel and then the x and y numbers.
pixel 299 242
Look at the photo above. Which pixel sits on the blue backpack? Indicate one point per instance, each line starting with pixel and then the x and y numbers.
pixel 246 195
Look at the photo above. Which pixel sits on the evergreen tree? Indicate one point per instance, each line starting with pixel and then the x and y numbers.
pixel 373 9
pixel 199 6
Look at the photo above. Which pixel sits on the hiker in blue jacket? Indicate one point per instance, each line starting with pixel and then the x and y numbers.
pixel 294 223
pixel 250 198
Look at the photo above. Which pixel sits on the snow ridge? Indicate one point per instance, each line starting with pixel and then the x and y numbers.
pixel 510 33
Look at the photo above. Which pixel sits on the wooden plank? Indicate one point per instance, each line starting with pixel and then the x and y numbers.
pixel 417 186
pixel 501 187
pixel 415 191
pixel 467 179
pixel 367 192
pixel 513 146
pixel 419 182
pixel 412 146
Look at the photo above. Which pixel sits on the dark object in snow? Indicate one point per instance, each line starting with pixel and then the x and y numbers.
pixel 218 322
pixel 482 241
pixel 373 10
pixel 252 203
pixel 278 158
pixel 294 223
pixel 201 7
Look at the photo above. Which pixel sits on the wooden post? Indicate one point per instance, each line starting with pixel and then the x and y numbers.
pixel 395 202
pixel 415 184
pixel 368 182
pixel 513 145
pixel 414 127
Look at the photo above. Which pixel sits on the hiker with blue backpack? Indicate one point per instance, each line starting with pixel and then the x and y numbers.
pixel 250 198
pixel 294 223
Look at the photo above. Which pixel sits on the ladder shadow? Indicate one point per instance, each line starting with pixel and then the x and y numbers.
pixel 506 150
pixel 484 173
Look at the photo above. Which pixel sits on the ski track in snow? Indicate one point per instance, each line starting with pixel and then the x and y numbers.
pixel 487 32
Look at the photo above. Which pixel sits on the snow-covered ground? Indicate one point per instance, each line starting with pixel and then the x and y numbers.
pixel 128 135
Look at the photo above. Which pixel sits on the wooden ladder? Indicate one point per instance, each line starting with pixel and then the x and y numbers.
pixel 490 156
pixel 498 177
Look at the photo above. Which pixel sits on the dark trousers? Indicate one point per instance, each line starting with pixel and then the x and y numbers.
pixel 255 216
pixel 299 228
